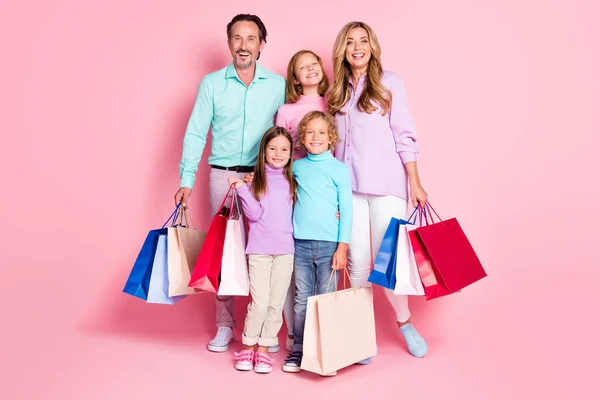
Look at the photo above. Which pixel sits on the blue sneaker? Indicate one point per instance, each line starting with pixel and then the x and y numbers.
pixel 415 342
pixel 367 361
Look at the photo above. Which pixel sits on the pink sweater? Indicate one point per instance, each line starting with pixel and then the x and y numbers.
pixel 290 114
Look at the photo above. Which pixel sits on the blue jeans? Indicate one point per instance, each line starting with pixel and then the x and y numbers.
pixel 312 272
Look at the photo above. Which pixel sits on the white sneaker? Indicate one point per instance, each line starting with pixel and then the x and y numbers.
pixel 289 342
pixel 220 342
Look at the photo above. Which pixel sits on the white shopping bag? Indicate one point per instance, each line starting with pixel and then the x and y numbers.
pixel 408 280
pixel 234 263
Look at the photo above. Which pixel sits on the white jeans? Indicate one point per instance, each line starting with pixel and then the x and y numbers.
pixel 371 216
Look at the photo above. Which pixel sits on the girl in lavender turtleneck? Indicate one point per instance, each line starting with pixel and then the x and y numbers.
pixel 268 205
pixel 305 86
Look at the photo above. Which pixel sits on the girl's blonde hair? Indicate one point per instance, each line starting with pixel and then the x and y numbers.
pixel 293 91
pixel 259 183
pixel 339 93
pixel 331 128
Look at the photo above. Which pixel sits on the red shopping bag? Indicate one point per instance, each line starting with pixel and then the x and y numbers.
pixel 208 265
pixel 446 260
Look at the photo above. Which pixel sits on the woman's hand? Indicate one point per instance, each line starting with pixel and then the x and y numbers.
pixel 418 195
pixel 235 181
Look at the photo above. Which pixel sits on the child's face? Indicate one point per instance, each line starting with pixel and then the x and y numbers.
pixel 278 152
pixel 308 71
pixel 316 139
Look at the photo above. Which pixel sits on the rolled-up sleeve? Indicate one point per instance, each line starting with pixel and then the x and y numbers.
pixel 402 124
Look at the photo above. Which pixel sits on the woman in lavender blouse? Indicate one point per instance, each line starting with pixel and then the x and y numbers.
pixel 377 142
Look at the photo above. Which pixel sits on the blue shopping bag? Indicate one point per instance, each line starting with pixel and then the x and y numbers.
pixel 139 279
pixel 158 290
pixel 384 268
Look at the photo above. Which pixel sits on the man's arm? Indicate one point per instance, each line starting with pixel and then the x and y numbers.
pixel 196 134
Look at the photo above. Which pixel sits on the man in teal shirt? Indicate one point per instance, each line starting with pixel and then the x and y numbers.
pixel 238 103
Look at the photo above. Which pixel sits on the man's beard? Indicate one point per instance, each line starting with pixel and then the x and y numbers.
pixel 246 64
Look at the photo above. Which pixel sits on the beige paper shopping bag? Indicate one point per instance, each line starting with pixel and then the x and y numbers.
pixel 347 328
pixel 183 246
pixel 311 346
pixel 339 330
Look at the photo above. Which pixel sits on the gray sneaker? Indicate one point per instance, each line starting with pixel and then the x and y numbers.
pixel 220 342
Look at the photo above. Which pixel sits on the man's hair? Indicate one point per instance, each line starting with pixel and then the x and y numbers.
pixel 262 31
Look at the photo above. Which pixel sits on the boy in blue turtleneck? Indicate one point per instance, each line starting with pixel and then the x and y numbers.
pixel 321 240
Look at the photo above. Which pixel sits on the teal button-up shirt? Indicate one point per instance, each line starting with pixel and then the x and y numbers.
pixel 238 116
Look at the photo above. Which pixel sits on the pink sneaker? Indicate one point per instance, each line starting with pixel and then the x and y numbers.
pixel 244 360
pixel 263 364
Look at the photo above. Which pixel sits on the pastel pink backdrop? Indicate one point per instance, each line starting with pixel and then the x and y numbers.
pixel 95 100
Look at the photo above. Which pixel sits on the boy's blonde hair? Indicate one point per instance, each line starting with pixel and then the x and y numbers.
pixel 293 91
pixel 331 128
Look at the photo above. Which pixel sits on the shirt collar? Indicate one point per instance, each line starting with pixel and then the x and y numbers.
pixel 259 72
pixel 360 80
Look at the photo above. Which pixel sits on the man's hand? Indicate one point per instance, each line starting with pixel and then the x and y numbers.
pixel 182 196
pixel 248 178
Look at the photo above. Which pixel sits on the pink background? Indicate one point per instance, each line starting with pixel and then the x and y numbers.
pixel 95 97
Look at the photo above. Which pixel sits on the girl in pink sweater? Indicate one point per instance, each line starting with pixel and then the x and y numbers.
pixel 306 84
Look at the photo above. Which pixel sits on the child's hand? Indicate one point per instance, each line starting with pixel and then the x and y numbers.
pixel 238 182
pixel 248 178
pixel 337 215
pixel 340 257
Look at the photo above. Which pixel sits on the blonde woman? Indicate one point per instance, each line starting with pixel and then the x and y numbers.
pixel 377 143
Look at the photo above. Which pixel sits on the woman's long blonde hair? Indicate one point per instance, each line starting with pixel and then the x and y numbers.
pixel 339 92
pixel 293 91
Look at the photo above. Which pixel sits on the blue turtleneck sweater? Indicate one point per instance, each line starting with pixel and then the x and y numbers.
pixel 324 187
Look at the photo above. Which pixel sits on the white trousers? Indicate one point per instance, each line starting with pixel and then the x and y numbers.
pixel 371 217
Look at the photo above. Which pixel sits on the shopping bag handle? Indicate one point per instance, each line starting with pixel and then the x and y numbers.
pixel 172 216
pixel 346 275
pixel 413 217
pixel 423 215
pixel 235 198
pixel 184 219
pixel 430 207
pixel 225 199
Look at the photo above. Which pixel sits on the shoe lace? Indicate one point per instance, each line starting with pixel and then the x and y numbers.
pixel 412 336
pixel 294 357
pixel 222 333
